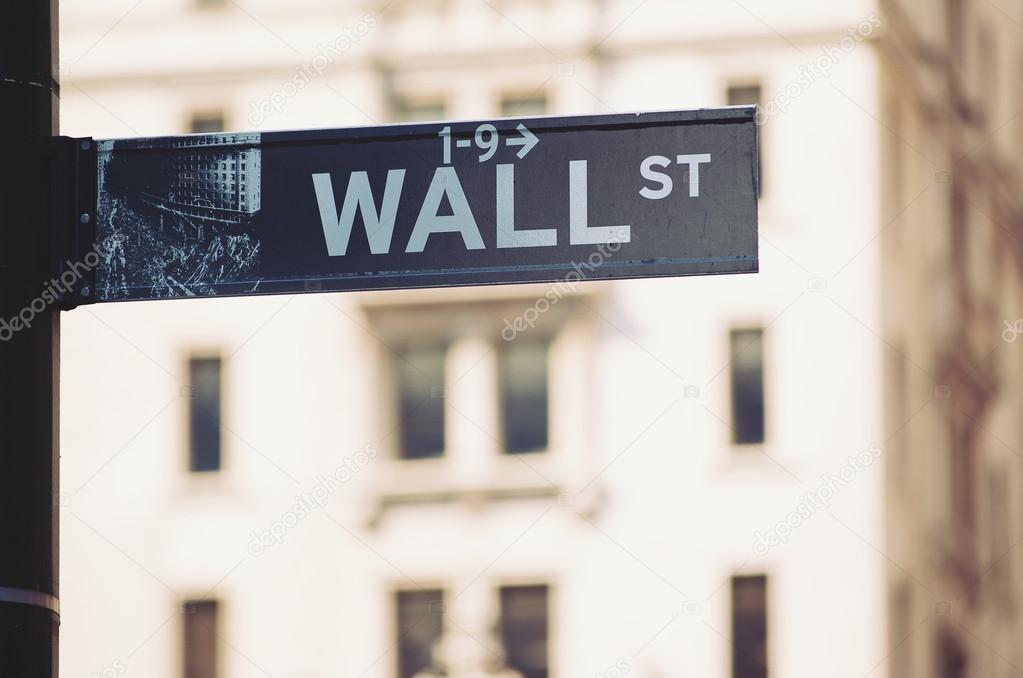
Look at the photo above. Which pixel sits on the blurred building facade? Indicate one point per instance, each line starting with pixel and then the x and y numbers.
pixel 953 288
pixel 657 478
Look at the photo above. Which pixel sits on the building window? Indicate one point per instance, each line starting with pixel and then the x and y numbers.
pixel 421 401
pixel 522 378
pixel 418 110
pixel 952 660
pixel 204 414
pixel 749 627
pixel 524 629
pixel 200 639
pixel 744 95
pixel 899 630
pixel 900 416
pixel 523 106
pixel 747 365
pixel 963 474
pixel 954 30
pixel 959 227
pixel 211 4
pixel 420 625
pixel 1000 543
pixel 206 122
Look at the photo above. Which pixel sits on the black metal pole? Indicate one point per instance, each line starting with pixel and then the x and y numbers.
pixel 29 341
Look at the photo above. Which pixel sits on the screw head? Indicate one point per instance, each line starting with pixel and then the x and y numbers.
pixel 85 145
pixel 86 291
pixel 84 218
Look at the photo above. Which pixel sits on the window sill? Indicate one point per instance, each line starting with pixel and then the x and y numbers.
pixel 756 457
pixel 504 477
pixel 199 484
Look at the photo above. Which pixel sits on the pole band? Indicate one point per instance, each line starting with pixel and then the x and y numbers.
pixel 26 597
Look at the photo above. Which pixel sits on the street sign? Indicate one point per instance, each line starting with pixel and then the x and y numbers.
pixel 422 205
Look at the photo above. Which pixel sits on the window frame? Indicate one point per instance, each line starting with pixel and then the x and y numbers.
pixel 399 104
pixel 518 98
pixel 183 648
pixel 732 394
pixel 732 609
pixel 396 398
pixel 398 633
pixel 501 395
pixel 189 416
pixel 549 613
pixel 207 115
pixel 209 5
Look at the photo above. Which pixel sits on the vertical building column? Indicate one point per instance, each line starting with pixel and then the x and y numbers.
pixel 471 416
pixel 469 645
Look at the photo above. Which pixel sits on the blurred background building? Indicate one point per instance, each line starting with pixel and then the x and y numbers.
pixel 952 271
pixel 808 471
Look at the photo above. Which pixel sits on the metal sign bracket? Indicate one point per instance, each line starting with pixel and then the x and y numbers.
pixel 73 220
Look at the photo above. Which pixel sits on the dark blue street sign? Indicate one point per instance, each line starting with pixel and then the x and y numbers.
pixel 424 205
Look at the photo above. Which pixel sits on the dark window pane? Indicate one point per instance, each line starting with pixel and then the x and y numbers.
pixel 747 352
pixel 959 223
pixel 964 476
pixel 410 110
pixel 420 624
pixel 744 95
pixel 954 26
pixel 952 659
pixel 523 381
pixel 200 638
pixel 204 414
pixel 749 627
pixel 207 122
pixel 524 629
pixel 522 106
pixel 1000 543
pixel 899 630
pixel 421 406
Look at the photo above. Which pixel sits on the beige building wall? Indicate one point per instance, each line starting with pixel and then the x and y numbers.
pixel 952 290
pixel 642 508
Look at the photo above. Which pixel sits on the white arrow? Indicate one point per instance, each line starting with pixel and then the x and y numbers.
pixel 528 140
